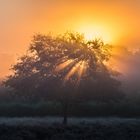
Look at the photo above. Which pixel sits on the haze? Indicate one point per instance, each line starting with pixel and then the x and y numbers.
pixel 116 21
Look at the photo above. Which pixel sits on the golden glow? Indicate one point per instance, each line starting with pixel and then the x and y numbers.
pixel 96 31
pixel 116 22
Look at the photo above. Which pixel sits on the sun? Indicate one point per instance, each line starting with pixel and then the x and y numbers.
pixel 95 31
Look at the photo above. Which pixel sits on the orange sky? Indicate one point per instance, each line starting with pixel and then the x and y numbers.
pixel 116 21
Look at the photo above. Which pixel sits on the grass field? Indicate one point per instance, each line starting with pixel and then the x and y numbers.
pixel 90 121
pixel 50 128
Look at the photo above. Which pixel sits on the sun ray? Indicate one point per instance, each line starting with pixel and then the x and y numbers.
pixel 72 71
pixel 82 69
pixel 64 65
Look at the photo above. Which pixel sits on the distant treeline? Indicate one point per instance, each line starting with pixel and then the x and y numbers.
pixel 89 109
pixel 12 106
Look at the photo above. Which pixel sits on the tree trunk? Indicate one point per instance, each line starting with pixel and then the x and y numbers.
pixel 65 113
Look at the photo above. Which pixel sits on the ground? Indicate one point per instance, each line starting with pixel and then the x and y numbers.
pixel 50 128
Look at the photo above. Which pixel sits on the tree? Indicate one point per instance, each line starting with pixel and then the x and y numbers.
pixel 65 68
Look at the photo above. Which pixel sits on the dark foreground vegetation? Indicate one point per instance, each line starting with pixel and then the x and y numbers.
pixel 42 109
pixel 100 129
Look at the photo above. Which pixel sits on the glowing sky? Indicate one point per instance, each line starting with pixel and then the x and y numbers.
pixel 116 21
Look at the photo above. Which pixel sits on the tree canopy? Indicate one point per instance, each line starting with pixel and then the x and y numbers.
pixel 65 66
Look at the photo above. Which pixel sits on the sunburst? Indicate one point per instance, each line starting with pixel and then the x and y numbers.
pixel 81 57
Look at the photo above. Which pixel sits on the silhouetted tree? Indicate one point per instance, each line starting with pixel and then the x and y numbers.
pixel 65 68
